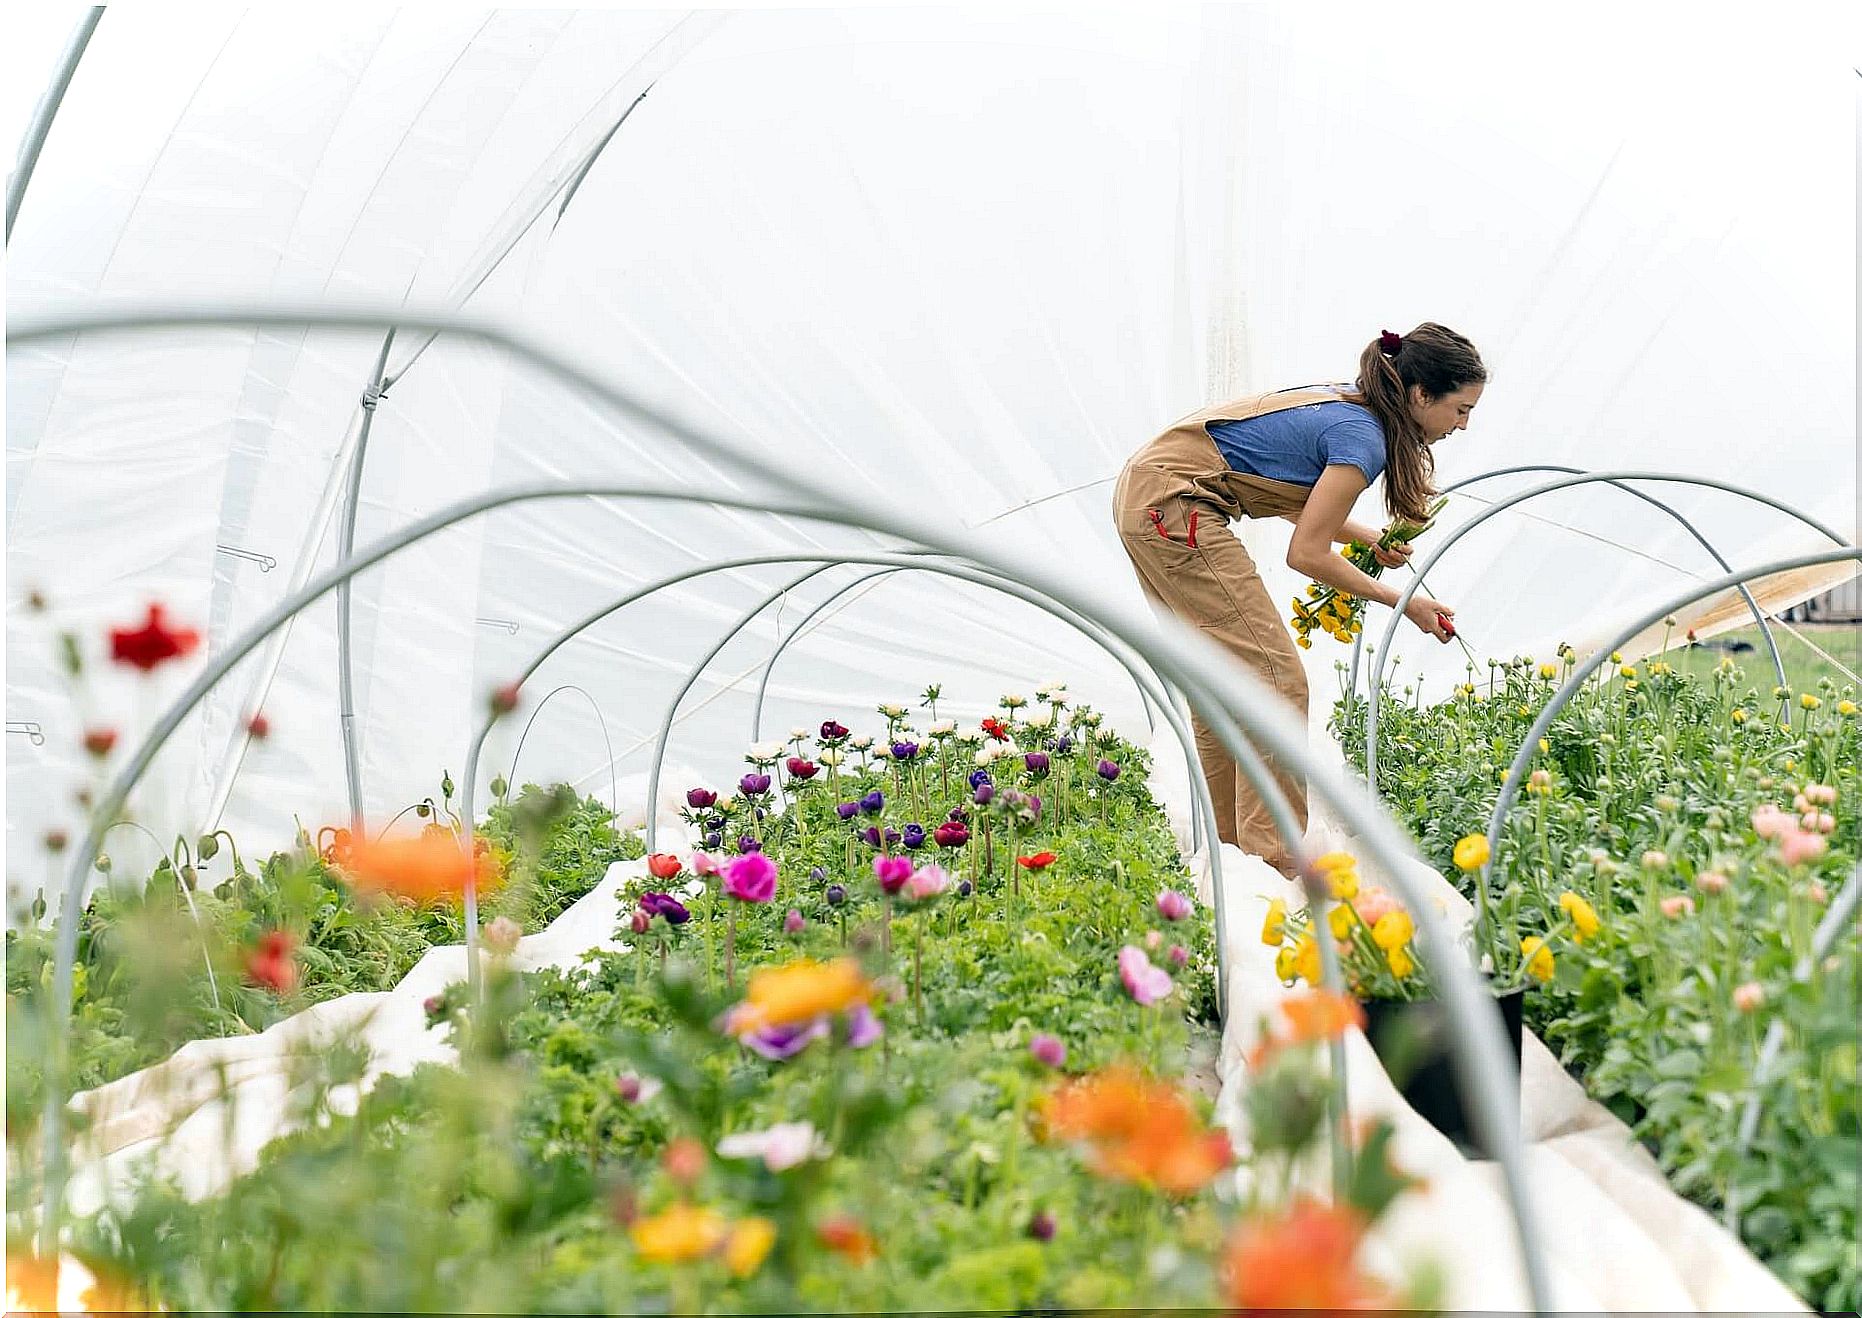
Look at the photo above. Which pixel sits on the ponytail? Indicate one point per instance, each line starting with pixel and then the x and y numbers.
pixel 1437 360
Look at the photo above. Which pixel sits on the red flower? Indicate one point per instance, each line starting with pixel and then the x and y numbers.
pixel 273 966
pixel 661 865
pixel 800 768
pixel 504 699
pixel 154 643
pixel 1039 861
pixel 847 1238
pixel 259 727
pixel 993 726
pixel 100 741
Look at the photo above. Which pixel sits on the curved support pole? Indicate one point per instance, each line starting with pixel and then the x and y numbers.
pixel 1516 774
pixel 41 126
pixel 1758 614
pixel 1834 921
pixel 614 791
pixel 1494 510
pixel 345 656
pixel 1180 654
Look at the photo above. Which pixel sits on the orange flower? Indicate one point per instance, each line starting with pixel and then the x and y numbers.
pixel 31 1283
pixel 1301 1258
pixel 429 867
pixel 847 1238
pixel 1039 861
pixel 1315 1017
pixel 1138 1130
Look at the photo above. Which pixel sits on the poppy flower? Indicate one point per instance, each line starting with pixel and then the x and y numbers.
pixel 154 643
pixel 1039 861
pixel 1300 1258
pixel 848 1239
pixel 800 768
pixel 661 865
pixel 751 878
pixel 428 867
pixel 273 965
pixel 995 728
pixel 951 834
pixel 700 799
pixel 754 784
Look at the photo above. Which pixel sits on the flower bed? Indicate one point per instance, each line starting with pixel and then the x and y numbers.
pixel 829 1071
pixel 1675 848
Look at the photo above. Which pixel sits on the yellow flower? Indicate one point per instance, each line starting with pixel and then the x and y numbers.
pixel 1274 929
pixel 799 991
pixel 1283 963
pixel 1538 958
pixel 1544 745
pixel 1401 965
pixel 1739 716
pixel 748 1245
pixel 1392 930
pixel 1616 656
pixel 678 1235
pixel 1583 915
pixel 1847 709
pixel 1472 852
pixel 1341 919
pixel 1341 874
pixel 1629 670
pixel 1808 701
pixel 1632 686
pixel 1305 643
pixel 1306 962
pixel 1548 670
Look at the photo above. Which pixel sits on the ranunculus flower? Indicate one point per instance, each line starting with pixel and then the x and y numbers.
pixel 1145 982
pixel 800 768
pixel 914 837
pixel 754 784
pixel 1768 821
pixel 1710 881
pixel 951 834
pixel 1274 927
pixel 1036 761
pixel 1798 847
pixel 786 1144
pixel 1584 921
pixel 873 802
pixel 751 878
pixel 680 1234
pixel 1677 906
pixel 926 882
pixel 501 936
pixel 1472 852
pixel 1655 860
pixel 1048 1050
pixel 1108 770
pixel 892 872
pixel 847 809
pixel 1039 861
pixel 153 644
pixel 662 865
pixel 779 1043
pixel 700 799
pixel 430 866
pixel 1173 905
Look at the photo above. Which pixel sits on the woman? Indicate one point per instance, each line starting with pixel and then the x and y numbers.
pixel 1305 454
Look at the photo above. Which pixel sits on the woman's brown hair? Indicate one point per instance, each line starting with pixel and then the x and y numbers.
pixel 1439 361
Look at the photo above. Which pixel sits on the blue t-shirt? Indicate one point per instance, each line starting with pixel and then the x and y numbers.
pixel 1298 443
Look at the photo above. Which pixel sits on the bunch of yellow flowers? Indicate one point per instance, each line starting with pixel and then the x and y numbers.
pixel 1373 934
pixel 1340 614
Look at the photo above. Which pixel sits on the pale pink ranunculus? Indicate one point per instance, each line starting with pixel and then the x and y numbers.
pixel 784 1145
pixel 1816 892
pixel 1820 794
pixel 1173 905
pixel 1153 940
pixel 1711 881
pixel 1677 906
pixel 1655 860
pixel 1768 821
pixel 703 862
pixel 1800 848
pixel 751 877
pixel 502 935
pixel 927 881
pixel 1145 982
pixel 1373 904
pixel 1800 803
pixel 1749 996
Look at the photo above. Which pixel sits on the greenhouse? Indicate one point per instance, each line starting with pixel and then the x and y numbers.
pixel 879 659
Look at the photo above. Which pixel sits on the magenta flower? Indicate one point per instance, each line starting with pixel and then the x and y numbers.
pixel 1145 982
pixel 754 784
pixel 751 878
pixel 664 905
pixel 781 1042
pixel 793 923
pixel 700 799
pixel 926 883
pixel 1048 1050
pixel 803 769
pixel 832 732
pixel 1174 905
pixel 1179 955
pixel 892 871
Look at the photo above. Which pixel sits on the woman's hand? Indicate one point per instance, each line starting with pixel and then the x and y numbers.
pixel 1393 556
pixel 1432 616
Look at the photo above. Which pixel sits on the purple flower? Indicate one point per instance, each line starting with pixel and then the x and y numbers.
pixel 781 1042
pixel 980 777
pixel 863 1027
pixel 892 872
pixel 793 923
pixel 628 1087
pixel 1063 744
pixel 1174 905
pixel 817 874
pixel 985 793
pixel 700 799
pixel 1145 982
pixel 1036 761
pixel 892 837
pixel 1048 1050
pixel 965 888
pixel 870 836
pixel 952 834
pixel 754 784
pixel 751 878
pixel 873 802
pixel 836 894
pixel 832 732
pixel 746 844
pixel 847 809
pixel 905 750
pixel 914 837
pixel 666 906
pixel 958 815
pixel 713 841
pixel 640 922
pixel 1108 770
pixel 1041 1226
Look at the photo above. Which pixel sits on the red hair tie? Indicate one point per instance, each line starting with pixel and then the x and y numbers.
pixel 1390 344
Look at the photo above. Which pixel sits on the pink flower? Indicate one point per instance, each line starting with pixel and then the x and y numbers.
pixel 1677 906
pixel 1655 860
pixel 501 936
pixel 1768 821
pixel 1145 982
pixel 1820 794
pixel 926 882
pixel 1817 821
pixel 705 864
pixel 1153 940
pixel 1373 904
pixel 1710 881
pixel 1799 848
pixel 1817 893
pixel 751 877
pixel 784 1145
pixel 1048 1050
pixel 1174 905
pixel 1800 803
pixel 1179 955
pixel 1749 996
pixel 793 923
pixel 892 871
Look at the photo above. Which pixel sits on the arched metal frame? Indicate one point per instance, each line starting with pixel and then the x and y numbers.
pixel 46 111
pixel 614 790
pixel 1758 614
pixel 1495 509
pixel 1516 772
pixel 1208 676
pixel 346 545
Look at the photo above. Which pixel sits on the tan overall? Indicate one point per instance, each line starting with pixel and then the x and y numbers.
pixel 1172 505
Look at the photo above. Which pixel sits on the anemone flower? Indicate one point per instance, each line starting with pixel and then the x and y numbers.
pixel 1173 905
pixel 1108 770
pixel 800 768
pixel 979 777
pixel 913 837
pixel 832 733
pixel 754 784
pixel 951 834
pixel 1037 762
pixel 905 751
pixel 663 865
pixel 1145 982
pixel 751 878
pixel 664 905
pixel 847 809
pixel 699 798
pixel 892 872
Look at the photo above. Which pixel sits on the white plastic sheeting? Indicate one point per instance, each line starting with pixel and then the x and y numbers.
pixel 965 258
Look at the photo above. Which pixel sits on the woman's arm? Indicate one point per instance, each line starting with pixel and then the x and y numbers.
pixel 1322 521
pixel 1349 531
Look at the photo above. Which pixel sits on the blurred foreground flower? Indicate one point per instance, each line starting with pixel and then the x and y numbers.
pixel 1301 1258
pixel 153 644
pixel 797 993
pixel 1137 1129
pixel 429 867
pixel 680 1234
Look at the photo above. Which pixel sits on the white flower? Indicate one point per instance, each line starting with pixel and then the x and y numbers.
pixel 943 728
pixel 985 757
pixel 798 734
pixel 766 752
pixel 784 1145
pixel 1047 689
pixel 969 736
pixel 892 711
pixel 1040 718
pixel 829 758
pixel 861 744
pixel 882 752
pixel 1012 701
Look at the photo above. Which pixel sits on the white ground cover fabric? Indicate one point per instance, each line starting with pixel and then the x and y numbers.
pixel 1618 1238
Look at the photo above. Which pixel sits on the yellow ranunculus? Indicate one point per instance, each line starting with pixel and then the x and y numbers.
pixel 1341 918
pixel 748 1245
pixel 1393 929
pixel 1548 670
pixel 1544 745
pixel 1472 852
pixel 1538 958
pixel 1847 709
pixel 799 991
pixel 678 1235
pixel 1808 701
pixel 1400 962
pixel 1616 656
pixel 1739 716
pixel 1283 963
pixel 1305 643
pixel 1632 686
pixel 1629 670
pixel 1306 962
pixel 1274 928
pixel 1584 921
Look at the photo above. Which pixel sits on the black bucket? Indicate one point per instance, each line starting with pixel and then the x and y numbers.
pixel 1411 1039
